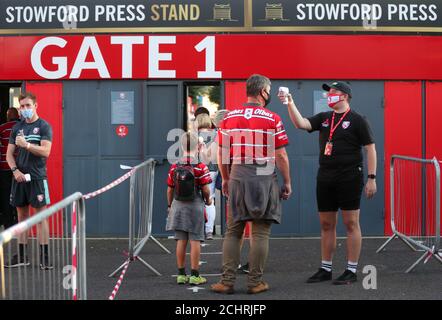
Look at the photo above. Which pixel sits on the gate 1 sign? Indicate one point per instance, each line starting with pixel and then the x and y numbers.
pixel 115 56
pixel 196 56
pixel 122 131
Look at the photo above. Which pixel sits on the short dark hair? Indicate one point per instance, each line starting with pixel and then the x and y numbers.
pixel 28 95
pixel 12 114
pixel 255 83
pixel 201 110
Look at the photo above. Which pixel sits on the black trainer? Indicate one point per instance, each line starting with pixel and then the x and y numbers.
pixel 45 264
pixel 347 277
pixel 15 262
pixel 321 275
pixel 244 268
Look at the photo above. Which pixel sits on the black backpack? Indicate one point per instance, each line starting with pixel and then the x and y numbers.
pixel 184 180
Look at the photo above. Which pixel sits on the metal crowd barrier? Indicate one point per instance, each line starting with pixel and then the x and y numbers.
pixel 140 214
pixel 66 277
pixel 415 206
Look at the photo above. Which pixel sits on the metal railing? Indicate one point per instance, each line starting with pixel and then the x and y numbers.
pixel 415 206
pixel 140 213
pixel 57 274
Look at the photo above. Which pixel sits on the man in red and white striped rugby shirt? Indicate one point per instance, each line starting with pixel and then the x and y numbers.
pixel 8 217
pixel 252 133
pixel 251 140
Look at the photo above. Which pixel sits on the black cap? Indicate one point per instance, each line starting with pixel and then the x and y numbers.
pixel 201 110
pixel 341 86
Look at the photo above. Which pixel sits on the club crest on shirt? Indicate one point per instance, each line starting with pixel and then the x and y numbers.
pixel 36 130
pixel 326 123
pixel 248 113
pixel 345 124
pixel 40 197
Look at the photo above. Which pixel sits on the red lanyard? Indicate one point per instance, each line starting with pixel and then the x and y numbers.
pixel 332 129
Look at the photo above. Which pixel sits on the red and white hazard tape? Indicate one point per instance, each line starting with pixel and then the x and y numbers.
pixel 120 280
pixel 109 186
pixel 74 251
pixel 96 193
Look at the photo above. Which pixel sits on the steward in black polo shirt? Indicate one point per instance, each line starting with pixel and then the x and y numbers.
pixel 340 180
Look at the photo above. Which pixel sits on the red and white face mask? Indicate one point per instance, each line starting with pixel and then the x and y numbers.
pixel 333 99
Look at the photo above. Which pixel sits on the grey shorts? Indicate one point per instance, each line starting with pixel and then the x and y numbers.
pixel 183 235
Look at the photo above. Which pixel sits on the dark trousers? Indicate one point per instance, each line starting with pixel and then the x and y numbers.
pixel 8 214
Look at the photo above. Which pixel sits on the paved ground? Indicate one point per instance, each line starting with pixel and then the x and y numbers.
pixel 290 263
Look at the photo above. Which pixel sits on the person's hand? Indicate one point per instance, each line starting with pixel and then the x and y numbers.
pixel 209 202
pixel 225 188
pixel 19 176
pixel 286 191
pixel 370 188
pixel 20 141
pixel 282 96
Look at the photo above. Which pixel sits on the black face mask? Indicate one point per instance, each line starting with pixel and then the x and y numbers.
pixel 266 101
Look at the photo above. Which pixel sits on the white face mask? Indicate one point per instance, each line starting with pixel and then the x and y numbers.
pixel 333 99
pixel 27 113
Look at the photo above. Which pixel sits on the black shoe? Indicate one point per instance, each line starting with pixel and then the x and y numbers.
pixel 45 264
pixel 15 262
pixel 346 278
pixel 244 268
pixel 321 275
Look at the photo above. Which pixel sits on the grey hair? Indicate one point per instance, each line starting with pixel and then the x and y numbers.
pixel 255 83
pixel 219 116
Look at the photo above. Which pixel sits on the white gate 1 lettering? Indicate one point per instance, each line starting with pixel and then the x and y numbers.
pixel 71 63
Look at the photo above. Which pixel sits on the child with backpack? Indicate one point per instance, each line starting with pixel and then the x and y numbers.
pixel 187 193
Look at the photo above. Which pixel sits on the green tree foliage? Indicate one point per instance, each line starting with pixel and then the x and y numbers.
pixel 214 93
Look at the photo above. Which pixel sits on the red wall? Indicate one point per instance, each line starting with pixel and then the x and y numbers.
pixel 403 129
pixel 433 119
pixel 49 107
pixel 235 94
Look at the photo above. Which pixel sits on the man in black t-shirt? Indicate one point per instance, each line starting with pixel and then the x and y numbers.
pixel 340 180
pixel 33 138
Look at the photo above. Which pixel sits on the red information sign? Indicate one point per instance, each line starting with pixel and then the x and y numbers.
pixel 122 131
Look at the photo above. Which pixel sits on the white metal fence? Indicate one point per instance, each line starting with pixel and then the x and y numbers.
pixel 57 274
pixel 140 213
pixel 415 206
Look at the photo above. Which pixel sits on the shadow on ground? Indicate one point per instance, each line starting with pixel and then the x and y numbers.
pixel 290 263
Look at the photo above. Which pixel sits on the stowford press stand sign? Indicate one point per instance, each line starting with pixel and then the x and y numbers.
pixel 94 16
pixel 104 14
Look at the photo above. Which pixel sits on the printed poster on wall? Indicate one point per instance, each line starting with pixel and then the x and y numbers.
pixel 122 107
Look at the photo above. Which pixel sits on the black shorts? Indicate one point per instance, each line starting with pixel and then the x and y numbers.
pixel 344 195
pixel 34 193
